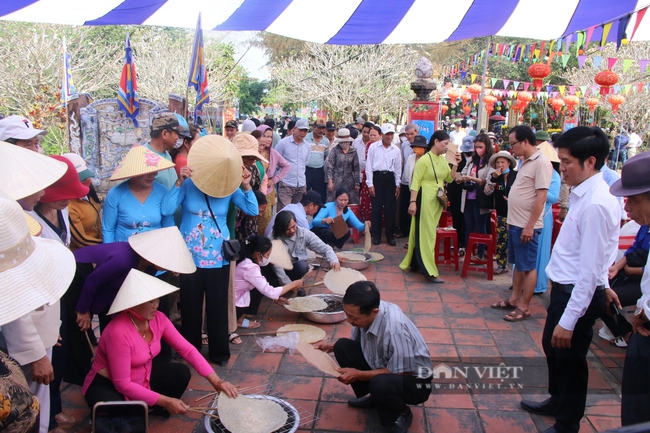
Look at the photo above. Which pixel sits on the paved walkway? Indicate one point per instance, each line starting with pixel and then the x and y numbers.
pixel 458 325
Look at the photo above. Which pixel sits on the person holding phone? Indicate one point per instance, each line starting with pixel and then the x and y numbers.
pixel 123 368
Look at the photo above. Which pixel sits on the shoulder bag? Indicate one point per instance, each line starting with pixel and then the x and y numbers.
pixel 231 249
pixel 441 195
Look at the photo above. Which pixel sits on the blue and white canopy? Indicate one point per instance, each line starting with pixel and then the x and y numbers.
pixel 349 22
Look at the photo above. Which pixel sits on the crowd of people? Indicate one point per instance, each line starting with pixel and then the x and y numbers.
pixel 202 214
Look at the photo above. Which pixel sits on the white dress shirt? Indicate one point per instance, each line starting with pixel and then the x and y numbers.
pixel 381 158
pixel 586 245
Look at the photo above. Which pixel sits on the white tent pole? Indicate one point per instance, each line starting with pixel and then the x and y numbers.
pixel 484 77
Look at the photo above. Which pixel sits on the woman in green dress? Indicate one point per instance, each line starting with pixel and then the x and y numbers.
pixel 430 173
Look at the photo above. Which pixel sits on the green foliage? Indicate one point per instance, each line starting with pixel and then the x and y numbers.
pixel 250 95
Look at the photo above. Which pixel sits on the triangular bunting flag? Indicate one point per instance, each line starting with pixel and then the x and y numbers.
pixel 516 85
pixel 627 88
pixel 626 64
pixel 562 89
pixel 583 89
pixel 611 61
pixel 565 59
pixel 590 32
pixel 549 89
pixel 505 84
pixel 603 40
pixel 473 77
pixel 617 89
pixel 572 90
pixel 639 18
pixel 581 61
pixel 639 87
pixel 463 74
pixel 597 60
pixel 526 86
pixel 643 63
pixel 594 89
pixel 493 81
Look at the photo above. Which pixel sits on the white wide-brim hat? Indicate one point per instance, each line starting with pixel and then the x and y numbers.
pixel 33 271
pixel 248 146
pixel 164 248
pixel 137 289
pixel 502 154
pixel 25 172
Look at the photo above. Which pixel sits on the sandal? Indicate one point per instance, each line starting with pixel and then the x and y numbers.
pixel 204 339
pixel 503 305
pixel 251 324
pixel 234 338
pixel 517 316
pixel 499 271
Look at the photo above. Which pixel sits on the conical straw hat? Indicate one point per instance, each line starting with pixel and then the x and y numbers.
pixel 548 151
pixel 25 172
pixel 248 146
pixel 137 289
pixel 33 271
pixel 139 161
pixel 279 255
pixel 35 228
pixel 339 281
pixel 216 164
pixel 164 248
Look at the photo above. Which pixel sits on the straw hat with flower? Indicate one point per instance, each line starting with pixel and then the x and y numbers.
pixel 33 271
pixel 140 161
pixel 24 172
pixel 216 165
pixel 248 146
pixel 137 289
pixel 165 248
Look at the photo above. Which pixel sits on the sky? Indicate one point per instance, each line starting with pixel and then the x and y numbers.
pixel 254 60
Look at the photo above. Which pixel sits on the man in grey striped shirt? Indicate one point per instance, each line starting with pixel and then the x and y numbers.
pixel 381 359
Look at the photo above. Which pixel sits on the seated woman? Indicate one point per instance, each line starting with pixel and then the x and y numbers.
pixel 250 284
pixel 625 281
pixel 296 240
pixel 338 207
pixel 123 368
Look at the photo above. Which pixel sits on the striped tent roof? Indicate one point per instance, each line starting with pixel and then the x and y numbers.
pixel 349 22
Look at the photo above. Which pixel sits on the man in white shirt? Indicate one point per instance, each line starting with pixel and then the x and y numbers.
pixel 633 144
pixel 383 171
pixel 635 401
pixel 583 252
pixel 457 134
pixel 359 143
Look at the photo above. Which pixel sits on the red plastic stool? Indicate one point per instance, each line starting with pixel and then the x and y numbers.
pixel 474 240
pixel 448 256
pixel 355 233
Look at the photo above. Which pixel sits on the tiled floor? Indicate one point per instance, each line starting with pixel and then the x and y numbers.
pixel 458 325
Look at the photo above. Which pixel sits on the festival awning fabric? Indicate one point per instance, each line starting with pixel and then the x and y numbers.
pixel 351 22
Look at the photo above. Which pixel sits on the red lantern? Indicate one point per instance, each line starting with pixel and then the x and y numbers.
pixel 592 102
pixel 444 109
pixel 465 97
pixel 615 100
pixel 557 104
pixel 489 101
pixel 539 71
pixel 467 109
pixel 453 95
pixel 516 107
pixel 606 79
pixel 571 101
pixel 474 90
pixel 524 98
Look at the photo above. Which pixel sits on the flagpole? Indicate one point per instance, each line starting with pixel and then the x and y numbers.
pixel 480 102
pixel 64 89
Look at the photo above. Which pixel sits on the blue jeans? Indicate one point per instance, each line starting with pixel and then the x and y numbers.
pixel 622 157
pixel 475 222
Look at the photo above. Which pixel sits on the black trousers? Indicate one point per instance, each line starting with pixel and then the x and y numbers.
pixel 404 217
pixel 628 291
pixel 326 235
pixel 300 269
pixel 254 306
pixel 315 178
pixel 635 385
pixel 385 200
pixel 390 393
pixel 169 379
pixel 58 364
pixel 211 283
pixel 567 368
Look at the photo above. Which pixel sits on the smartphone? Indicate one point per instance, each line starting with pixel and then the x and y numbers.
pixel 121 416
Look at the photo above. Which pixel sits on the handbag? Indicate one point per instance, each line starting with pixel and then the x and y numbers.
pixel 441 195
pixel 231 249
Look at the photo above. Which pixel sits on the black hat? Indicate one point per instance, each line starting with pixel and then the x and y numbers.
pixel 419 141
pixel 330 126
pixel 311 196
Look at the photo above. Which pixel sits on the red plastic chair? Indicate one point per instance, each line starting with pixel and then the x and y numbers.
pixel 449 255
pixel 355 233
pixel 625 242
pixel 490 241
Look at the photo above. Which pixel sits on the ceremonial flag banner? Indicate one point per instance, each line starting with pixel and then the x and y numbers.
pixel 67 86
pixel 198 77
pixel 127 94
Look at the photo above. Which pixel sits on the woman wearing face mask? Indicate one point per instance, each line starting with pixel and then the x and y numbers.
pixel 343 168
pixel 182 148
pixel 477 171
pixel 430 173
pixel 250 284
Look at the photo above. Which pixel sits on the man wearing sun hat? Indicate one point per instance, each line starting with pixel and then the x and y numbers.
pixel 19 130
pixel 167 132
pixel 34 274
pixel 635 385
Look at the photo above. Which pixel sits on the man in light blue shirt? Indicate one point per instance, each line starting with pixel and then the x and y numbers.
pixel 308 206
pixel 296 151
pixel 315 172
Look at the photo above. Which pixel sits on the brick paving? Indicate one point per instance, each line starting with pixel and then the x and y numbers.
pixel 458 325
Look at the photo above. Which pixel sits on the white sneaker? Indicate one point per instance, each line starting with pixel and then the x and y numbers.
pixel 620 342
pixel 606 334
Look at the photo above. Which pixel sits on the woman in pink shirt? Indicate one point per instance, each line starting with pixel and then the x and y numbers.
pixel 250 284
pixel 123 368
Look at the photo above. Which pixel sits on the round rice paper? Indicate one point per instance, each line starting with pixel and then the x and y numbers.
pixel 250 415
pixel 308 333
pixel 350 256
pixel 339 281
pixel 306 304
